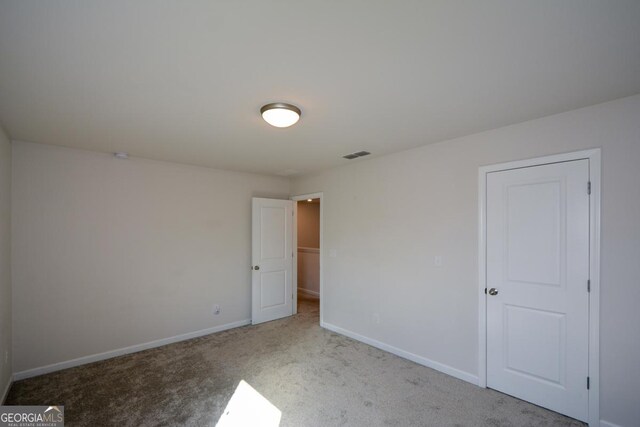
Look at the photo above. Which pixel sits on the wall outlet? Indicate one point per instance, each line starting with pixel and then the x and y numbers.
pixel 376 318
pixel 437 261
pixel 216 309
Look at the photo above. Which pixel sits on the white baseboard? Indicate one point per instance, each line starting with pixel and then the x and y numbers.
pixel 6 390
pixel 126 350
pixel 308 292
pixel 465 376
pixel 604 423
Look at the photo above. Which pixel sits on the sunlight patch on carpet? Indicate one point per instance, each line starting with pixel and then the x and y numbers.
pixel 247 407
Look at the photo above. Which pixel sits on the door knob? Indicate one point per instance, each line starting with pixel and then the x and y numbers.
pixel 493 291
pixel 257 267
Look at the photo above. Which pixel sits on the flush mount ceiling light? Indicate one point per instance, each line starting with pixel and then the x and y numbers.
pixel 280 115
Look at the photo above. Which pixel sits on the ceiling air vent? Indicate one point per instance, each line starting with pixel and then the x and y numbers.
pixel 356 155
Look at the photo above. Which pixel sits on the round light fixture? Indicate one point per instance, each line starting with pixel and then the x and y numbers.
pixel 280 115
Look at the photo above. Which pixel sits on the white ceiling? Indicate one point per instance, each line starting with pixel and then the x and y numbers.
pixel 184 80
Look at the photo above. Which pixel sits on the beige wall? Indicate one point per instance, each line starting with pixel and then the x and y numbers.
pixel 5 263
pixel 309 237
pixel 112 253
pixel 308 224
pixel 309 271
pixel 387 218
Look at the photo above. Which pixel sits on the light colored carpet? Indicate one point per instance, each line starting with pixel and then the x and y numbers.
pixel 313 376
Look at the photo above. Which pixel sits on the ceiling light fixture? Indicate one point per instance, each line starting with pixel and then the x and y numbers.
pixel 309 200
pixel 280 115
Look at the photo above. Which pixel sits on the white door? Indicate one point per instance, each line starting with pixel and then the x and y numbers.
pixel 537 273
pixel 272 259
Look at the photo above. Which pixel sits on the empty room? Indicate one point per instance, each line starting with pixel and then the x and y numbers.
pixel 318 213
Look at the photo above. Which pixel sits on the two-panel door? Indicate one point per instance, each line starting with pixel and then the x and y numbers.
pixel 272 259
pixel 537 279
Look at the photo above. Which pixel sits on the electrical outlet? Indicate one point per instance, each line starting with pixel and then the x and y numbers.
pixel 216 309
pixel 437 261
pixel 376 318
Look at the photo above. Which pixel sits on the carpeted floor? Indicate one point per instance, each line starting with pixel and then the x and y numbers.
pixel 313 376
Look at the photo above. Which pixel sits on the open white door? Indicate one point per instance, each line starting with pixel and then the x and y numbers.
pixel 272 259
pixel 537 275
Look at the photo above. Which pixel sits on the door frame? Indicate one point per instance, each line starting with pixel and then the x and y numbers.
pixel 296 199
pixel 594 157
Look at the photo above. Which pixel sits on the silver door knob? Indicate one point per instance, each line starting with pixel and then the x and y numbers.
pixel 493 291
pixel 257 267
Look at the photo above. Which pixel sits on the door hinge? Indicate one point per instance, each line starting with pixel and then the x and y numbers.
pixel 589 285
pixel 589 187
pixel 588 383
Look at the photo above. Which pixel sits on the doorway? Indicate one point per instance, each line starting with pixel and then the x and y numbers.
pixel 308 254
pixel 539 300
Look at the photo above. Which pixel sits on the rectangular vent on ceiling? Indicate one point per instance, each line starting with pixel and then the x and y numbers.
pixel 356 155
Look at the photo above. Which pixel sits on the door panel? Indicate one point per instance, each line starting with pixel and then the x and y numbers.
pixel 535 257
pixel 273 288
pixel 538 261
pixel 272 259
pixel 535 342
pixel 272 232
